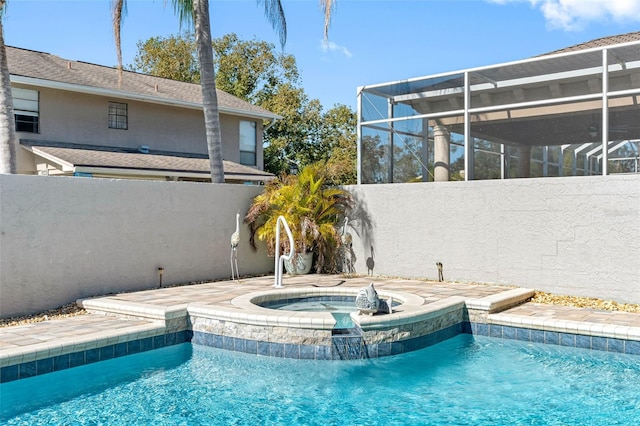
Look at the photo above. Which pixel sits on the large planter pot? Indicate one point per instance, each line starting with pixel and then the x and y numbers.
pixel 300 264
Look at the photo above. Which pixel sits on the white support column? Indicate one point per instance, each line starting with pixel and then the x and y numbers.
pixel 545 161
pixel 504 162
pixel 524 161
pixel 561 163
pixel 605 113
pixel 359 135
pixel 424 153
pixel 391 165
pixel 468 144
pixel 441 153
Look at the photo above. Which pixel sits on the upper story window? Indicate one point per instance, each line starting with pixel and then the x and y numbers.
pixel 118 116
pixel 248 143
pixel 26 110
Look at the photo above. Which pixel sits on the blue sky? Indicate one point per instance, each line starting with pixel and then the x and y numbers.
pixel 370 41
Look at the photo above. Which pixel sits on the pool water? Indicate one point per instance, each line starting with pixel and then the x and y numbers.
pixel 464 380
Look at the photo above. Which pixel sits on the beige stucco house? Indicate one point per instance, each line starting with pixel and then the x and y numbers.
pixel 77 119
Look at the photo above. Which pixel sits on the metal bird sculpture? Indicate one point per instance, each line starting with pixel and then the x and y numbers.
pixel 235 240
pixel 346 241
pixel 346 237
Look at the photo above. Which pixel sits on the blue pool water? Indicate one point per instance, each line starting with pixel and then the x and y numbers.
pixel 466 380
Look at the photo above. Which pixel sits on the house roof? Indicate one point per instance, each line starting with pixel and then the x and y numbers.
pixel 44 69
pixel 77 158
pixel 599 42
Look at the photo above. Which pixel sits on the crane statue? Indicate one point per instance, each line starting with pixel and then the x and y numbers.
pixel 346 241
pixel 346 237
pixel 235 240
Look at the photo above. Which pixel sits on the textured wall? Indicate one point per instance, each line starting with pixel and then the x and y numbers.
pixel 65 238
pixel 578 236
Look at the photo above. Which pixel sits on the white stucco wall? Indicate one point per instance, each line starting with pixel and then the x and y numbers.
pixel 578 236
pixel 65 238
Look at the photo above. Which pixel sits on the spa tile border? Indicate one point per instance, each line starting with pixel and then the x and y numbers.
pixel 76 359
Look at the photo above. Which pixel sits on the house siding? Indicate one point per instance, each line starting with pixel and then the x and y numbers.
pixel 73 117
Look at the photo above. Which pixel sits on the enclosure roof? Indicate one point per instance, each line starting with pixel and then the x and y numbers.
pixel 584 56
pixel 74 158
pixel 47 70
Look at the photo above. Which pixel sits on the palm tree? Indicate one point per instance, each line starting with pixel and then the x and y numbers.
pixel 196 12
pixel 7 121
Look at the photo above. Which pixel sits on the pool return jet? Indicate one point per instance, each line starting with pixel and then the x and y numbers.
pixel 279 266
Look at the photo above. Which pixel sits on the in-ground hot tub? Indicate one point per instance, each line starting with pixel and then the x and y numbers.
pixel 251 324
pixel 340 307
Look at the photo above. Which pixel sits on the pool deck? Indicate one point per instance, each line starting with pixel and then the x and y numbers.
pixel 146 314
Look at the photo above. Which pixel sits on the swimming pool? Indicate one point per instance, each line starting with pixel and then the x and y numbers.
pixel 464 380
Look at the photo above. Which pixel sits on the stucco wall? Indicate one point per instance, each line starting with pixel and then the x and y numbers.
pixel 65 238
pixel 578 236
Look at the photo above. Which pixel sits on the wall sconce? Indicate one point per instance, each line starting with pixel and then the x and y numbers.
pixel 593 130
pixel 160 274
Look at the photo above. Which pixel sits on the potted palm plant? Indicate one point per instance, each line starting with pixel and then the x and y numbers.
pixel 312 210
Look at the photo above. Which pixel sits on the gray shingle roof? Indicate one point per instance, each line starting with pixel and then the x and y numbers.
pixel 123 158
pixel 599 42
pixel 48 67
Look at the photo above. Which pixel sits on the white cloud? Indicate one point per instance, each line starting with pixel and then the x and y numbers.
pixel 576 14
pixel 329 46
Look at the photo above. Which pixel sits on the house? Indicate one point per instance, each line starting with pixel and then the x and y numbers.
pixel 78 119
pixel 572 112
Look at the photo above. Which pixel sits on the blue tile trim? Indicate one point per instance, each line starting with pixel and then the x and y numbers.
pixel 509 333
pixel 630 347
pixel 349 346
pixel 495 330
pixel 76 359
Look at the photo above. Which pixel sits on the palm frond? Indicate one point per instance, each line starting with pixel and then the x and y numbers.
pixel 184 10
pixel 327 7
pixel 275 15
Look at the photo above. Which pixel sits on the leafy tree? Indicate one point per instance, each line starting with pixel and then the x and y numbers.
pixel 254 71
pixel 375 160
pixel 339 145
pixel 196 13
pixel 172 57
pixel 8 141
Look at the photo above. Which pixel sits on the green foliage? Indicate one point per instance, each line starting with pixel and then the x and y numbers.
pixel 254 71
pixel 251 69
pixel 172 57
pixel 312 210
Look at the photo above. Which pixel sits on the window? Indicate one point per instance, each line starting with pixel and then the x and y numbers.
pixel 118 115
pixel 248 143
pixel 26 110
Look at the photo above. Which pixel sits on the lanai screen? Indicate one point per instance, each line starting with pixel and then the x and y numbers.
pixel 569 114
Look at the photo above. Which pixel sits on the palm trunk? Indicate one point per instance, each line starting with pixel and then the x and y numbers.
pixel 7 121
pixel 208 83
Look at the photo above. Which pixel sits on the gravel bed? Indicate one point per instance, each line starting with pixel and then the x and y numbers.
pixel 70 310
pixel 584 302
